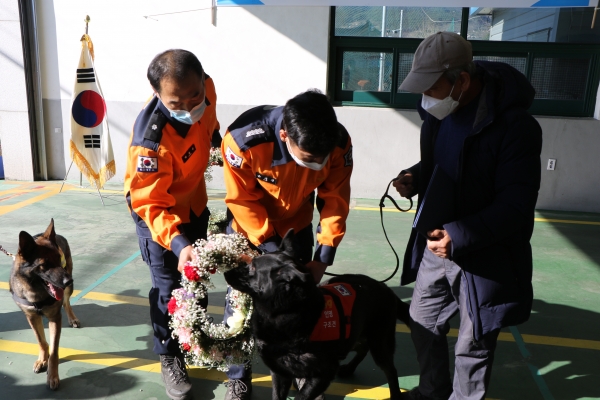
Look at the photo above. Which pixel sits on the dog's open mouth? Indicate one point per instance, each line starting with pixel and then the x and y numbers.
pixel 54 291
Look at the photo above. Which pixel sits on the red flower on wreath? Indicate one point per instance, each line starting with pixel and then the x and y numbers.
pixel 191 273
pixel 172 306
pixel 186 347
pixel 212 270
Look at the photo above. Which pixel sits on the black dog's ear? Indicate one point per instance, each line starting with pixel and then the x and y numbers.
pixel 50 234
pixel 287 243
pixel 26 245
pixel 289 274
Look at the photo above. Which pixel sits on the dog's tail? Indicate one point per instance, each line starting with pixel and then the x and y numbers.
pixel 402 312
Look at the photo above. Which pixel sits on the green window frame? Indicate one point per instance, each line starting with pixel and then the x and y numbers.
pixel 532 53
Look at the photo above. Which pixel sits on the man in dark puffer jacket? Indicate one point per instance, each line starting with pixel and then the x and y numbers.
pixel 476 128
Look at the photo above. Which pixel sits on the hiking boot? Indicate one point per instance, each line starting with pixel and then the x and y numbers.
pixel 239 389
pixel 175 377
pixel 299 382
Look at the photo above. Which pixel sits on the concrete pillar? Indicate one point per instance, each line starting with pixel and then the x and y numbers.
pixel 14 116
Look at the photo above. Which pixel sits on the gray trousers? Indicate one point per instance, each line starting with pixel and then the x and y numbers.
pixel 440 292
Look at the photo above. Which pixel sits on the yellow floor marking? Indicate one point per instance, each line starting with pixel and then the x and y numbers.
pixel 139 364
pixel 92 190
pixel 385 209
pixel 567 221
pixel 24 190
pixel 562 342
pixel 400 328
pixel 531 339
pixel 13 207
pixel 134 300
pixel 558 221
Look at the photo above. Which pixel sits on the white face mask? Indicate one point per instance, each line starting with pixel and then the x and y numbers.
pixel 311 165
pixel 440 108
pixel 189 117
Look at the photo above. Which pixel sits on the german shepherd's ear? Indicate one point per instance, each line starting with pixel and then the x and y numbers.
pixel 26 245
pixel 50 234
pixel 287 244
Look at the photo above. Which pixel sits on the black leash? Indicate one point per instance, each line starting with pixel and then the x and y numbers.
pixel 381 205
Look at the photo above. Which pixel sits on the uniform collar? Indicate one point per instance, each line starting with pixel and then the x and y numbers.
pixel 281 155
pixel 181 128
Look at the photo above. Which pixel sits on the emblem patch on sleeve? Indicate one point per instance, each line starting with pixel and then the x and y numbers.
pixel 147 164
pixel 233 159
pixel 342 289
pixel 348 158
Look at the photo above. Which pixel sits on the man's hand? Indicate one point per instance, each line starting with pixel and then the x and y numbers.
pixel 440 243
pixel 404 184
pixel 185 256
pixel 317 269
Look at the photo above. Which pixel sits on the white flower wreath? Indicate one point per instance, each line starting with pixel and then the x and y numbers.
pixel 203 342
pixel 215 158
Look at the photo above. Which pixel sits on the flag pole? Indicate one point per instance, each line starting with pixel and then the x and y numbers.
pixel 67 174
pixel 87 21
pixel 101 199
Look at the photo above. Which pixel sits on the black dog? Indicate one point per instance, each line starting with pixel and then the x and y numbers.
pixel 289 309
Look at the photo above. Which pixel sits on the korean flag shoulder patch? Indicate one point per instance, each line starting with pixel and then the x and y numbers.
pixel 147 164
pixel 233 159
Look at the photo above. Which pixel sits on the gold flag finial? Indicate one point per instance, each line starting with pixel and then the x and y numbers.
pixel 87 21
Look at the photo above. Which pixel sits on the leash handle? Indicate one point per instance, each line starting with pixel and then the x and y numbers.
pixel 6 252
pixel 387 196
pixel 381 205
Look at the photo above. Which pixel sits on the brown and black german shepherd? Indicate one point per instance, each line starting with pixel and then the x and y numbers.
pixel 41 283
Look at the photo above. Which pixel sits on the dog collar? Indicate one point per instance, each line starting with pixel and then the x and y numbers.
pixel 38 305
pixel 334 322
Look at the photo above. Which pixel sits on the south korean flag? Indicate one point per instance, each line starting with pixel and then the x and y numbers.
pixel 90 146
pixel 147 164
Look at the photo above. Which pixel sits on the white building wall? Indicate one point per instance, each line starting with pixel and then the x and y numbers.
pixel 14 119
pixel 258 55
pixel 255 56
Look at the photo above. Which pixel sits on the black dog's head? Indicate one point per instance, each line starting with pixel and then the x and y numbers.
pixel 276 279
pixel 39 262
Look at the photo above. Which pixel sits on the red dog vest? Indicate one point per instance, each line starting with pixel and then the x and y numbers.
pixel 339 301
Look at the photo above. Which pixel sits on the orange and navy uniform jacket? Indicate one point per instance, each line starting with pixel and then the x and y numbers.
pixel 268 193
pixel 164 181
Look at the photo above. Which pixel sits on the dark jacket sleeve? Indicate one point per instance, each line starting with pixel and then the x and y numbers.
pixel 517 183
pixel 415 171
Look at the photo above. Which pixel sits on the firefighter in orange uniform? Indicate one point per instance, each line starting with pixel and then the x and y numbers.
pixel 165 188
pixel 275 158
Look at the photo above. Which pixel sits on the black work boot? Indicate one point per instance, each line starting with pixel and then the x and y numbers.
pixel 239 389
pixel 175 377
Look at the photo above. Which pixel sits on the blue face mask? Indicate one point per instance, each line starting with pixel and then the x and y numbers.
pixel 189 117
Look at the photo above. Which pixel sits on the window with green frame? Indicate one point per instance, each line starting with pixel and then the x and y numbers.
pixel 372 48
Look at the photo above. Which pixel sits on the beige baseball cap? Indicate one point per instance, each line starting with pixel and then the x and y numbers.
pixel 436 54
